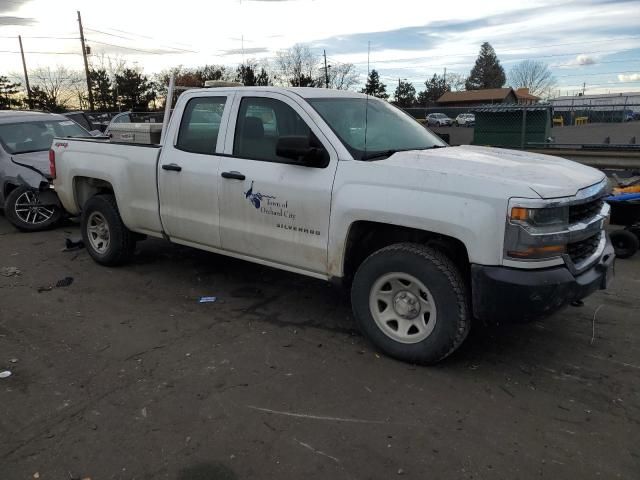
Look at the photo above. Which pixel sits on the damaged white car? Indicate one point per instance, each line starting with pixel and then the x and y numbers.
pixel 25 139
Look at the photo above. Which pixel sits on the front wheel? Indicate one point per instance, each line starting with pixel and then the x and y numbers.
pixel 26 212
pixel 106 238
pixel 411 301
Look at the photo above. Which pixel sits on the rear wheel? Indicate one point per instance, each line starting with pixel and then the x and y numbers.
pixel 106 238
pixel 26 212
pixel 625 243
pixel 411 301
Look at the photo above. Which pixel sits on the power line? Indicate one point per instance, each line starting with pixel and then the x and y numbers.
pixel 13 37
pixel 129 33
pixel 131 48
pixel 130 38
pixel 41 53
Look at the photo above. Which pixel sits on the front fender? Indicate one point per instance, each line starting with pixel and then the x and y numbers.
pixel 477 223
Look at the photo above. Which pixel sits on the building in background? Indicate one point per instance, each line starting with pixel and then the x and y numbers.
pixel 487 96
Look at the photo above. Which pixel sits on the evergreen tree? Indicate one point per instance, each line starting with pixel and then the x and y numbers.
pixel 134 90
pixel 374 86
pixel 487 72
pixel 102 89
pixel 435 87
pixel 246 74
pixel 405 94
pixel 8 91
pixel 263 80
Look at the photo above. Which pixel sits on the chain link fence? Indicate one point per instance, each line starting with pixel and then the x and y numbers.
pixel 536 126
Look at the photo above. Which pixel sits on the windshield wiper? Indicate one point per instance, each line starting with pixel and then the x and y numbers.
pixel 388 153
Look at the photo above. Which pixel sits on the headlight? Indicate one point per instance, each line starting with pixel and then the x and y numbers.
pixel 541 218
pixel 535 233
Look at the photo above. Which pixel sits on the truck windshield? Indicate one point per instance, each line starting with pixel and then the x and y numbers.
pixel 25 137
pixel 374 128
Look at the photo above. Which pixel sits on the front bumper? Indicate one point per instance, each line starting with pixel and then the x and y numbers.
pixel 503 294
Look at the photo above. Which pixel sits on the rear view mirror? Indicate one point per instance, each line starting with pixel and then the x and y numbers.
pixel 302 151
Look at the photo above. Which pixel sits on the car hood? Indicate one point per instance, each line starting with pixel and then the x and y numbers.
pixel 546 175
pixel 38 160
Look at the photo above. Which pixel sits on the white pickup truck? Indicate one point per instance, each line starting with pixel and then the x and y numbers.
pixel 345 188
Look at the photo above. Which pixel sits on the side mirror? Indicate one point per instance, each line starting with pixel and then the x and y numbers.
pixel 302 151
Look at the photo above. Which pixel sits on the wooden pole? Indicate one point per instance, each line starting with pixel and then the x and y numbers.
pixel 86 64
pixel 26 75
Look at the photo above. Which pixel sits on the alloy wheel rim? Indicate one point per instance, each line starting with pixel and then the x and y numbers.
pixel 29 209
pixel 402 307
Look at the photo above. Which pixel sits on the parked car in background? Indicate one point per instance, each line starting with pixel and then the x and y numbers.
pixel 466 120
pixel 85 121
pixel 438 120
pixel 25 140
pixel 630 115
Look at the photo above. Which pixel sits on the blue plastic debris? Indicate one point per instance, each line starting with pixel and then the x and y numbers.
pixel 207 299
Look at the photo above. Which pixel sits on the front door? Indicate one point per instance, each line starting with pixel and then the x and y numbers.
pixel 271 208
pixel 188 176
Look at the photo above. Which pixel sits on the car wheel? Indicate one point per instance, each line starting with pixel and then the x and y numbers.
pixel 106 238
pixel 25 211
pixel 625 243
pixel 412 303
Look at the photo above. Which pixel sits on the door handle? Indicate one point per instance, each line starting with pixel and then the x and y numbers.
pixel 173 167
pixel 233 175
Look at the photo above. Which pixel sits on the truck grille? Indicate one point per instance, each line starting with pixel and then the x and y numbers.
pixel 580 251
pixel 585 211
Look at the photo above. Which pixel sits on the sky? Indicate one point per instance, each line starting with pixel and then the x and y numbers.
pixel 592 42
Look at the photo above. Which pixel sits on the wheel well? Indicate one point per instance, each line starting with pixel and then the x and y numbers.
pixel 8 188
pixel 367 237
pixel 84 188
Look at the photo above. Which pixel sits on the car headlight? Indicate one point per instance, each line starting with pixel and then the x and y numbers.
pixel 536 233
pixel 540 218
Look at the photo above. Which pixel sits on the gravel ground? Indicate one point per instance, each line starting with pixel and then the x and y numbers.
pixel 124 375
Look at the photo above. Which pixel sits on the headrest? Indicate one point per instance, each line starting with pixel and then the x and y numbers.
pixel 253 128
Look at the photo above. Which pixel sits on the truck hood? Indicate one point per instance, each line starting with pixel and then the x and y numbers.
pixel 547 176
pixel 38 160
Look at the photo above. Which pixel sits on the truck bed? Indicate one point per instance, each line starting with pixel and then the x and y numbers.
pixel 130 169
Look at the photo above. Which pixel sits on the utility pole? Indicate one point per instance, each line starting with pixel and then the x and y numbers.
pixel 368 55
pixel 86 65
pixel 326 71
pixel 26 76
pixel 584 86
pixel 445 75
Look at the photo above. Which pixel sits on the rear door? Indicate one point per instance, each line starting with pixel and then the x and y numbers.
pixel 188 175
pixel 271 208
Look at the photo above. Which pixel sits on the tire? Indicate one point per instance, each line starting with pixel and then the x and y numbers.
pixel 106 238
pixel 443 320
pixel 24 211
pixel 635 229
pixel 625 243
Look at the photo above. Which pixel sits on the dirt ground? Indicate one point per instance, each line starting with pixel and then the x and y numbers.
pixel 124 375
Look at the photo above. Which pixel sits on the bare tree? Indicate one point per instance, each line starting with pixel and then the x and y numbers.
pixel 57 89
pixel 456 81
pixel 343 76
pixel 534 75
pixel 297 66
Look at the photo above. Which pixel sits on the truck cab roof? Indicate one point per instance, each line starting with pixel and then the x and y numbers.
pixel 304 92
